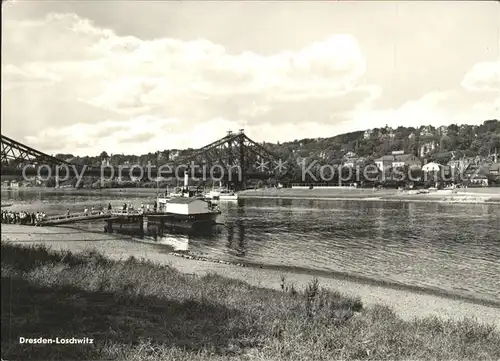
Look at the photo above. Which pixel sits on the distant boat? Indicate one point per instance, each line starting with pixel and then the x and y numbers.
pixel 228 196
pixel 221 194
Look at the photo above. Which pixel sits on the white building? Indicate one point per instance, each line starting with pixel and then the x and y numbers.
pixel 431 167
pixel 350 160
pixel 443 130
pixel 426 131
pixel 186 206
pixel 323 154
pixel 367 134
pixel 427 148
pixel 396 160
pixel 174 154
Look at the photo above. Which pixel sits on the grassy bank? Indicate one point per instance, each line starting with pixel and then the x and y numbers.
pixel 136 310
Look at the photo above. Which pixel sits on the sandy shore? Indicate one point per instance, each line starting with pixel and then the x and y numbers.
pixel 465 195
pixel 482 195
pixel 408 304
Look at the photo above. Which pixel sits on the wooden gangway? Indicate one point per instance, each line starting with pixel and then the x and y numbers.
pixel 84 217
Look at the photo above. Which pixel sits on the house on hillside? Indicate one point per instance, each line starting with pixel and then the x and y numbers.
pixel 427 148
pixel 409 160
pixel 350 160
pixel 478 171
pixel 495 169
pixel 387 133
pixel 443 130
pixel 398 159
pixel 323 155
pixel 484 169
pixel 432 167
pixel 478 175
pixel 105 161
pixel 367 134
pixel 174 154
pixel 458 165
pixel 426 131
pixel 384 162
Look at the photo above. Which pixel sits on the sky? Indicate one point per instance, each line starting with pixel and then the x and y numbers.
pixel 135 77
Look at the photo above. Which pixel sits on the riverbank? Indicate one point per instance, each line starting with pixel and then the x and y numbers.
pixel 408 303
pixel 132 191
pixel 469 195
pixel 489 195
pixel 135 310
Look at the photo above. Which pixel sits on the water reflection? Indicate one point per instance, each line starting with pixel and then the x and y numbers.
pixel 236 245
pixel 177 242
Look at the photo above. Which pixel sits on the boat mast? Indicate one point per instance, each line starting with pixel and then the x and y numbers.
pixel 157 176
pixel 186 184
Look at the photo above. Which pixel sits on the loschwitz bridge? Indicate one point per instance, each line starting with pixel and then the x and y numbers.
pixel 235 158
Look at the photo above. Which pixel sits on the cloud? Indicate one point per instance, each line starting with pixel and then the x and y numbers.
pixel 483 77
pixel 138 135
pixel 477 100
pixel 79 88
pixel 74 48
pixel 435 108
pixel 152 72
pixel 29 74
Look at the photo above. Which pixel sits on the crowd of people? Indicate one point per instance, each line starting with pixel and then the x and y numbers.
pixel 144 208
pixel 93 210
pixel 35 218
pixel 23 217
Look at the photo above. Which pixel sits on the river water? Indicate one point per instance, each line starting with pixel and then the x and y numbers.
pixel 451 248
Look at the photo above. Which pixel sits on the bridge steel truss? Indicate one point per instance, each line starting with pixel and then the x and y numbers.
pixel 17 155
pixel 236 156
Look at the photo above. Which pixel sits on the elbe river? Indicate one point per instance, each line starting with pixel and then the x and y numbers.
pixel 448 248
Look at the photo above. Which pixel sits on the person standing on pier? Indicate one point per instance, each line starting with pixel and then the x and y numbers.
pixel 109 207
pixel 67 212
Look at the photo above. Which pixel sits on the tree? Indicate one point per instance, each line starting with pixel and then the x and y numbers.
pixel 442 158
pixel 51 182
pixel 103 155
